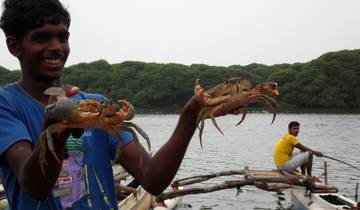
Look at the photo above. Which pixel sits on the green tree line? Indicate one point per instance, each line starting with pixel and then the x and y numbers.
pixel 331 81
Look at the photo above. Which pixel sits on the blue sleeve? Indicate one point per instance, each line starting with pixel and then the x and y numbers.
pixel 12 129
pixel 126 136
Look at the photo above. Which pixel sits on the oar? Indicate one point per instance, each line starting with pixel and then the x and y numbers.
pixel 342 162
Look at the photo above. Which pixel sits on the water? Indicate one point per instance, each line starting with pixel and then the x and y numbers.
pixel 251 144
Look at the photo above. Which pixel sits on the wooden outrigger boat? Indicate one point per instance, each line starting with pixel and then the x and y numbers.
pixel 307 193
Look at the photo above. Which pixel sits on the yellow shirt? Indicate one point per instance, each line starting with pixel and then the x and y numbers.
pixel 284 149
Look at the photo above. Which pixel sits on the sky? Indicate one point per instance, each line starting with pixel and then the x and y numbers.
pixel 212 32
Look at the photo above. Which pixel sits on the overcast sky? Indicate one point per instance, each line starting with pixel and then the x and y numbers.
pixel 211 32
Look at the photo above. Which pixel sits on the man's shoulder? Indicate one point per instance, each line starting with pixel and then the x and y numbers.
pixel 291 138
pixel 10 92
pixel 8 89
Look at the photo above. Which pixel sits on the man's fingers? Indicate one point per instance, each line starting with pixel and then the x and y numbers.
pixel 71 90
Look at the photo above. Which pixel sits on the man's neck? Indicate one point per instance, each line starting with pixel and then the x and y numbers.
pixel 36 89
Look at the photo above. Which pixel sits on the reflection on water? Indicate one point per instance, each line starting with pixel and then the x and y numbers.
pixel 251 144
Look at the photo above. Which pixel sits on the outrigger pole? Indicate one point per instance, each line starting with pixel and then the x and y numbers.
pixel 341 162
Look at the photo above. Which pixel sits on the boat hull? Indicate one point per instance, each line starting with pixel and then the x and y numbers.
pixel 169 204
pixel 141 201
pixel 302 200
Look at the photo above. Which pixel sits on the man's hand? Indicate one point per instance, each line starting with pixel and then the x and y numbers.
pixel 76 132
pixel 318 154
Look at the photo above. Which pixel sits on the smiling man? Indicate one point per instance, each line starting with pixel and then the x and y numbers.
pixel 37 34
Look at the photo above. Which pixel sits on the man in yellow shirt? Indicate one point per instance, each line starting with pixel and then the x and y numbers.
pixel 283 152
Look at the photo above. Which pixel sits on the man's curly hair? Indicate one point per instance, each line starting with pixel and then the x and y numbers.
pixel 20 16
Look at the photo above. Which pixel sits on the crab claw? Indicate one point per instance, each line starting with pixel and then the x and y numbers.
pixel 55 93
pixel 273 89
pixel 127 111
pixel 243 111
pixel 200 94
pixel 269 103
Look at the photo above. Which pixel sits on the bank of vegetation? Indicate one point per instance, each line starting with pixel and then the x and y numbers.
pixel 330 82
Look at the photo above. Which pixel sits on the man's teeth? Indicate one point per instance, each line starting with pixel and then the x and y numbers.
pixel 52 61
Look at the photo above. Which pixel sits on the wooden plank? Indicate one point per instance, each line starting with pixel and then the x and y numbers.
pixel 272 176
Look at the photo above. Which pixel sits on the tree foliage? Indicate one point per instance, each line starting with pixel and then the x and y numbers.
pixel 330 81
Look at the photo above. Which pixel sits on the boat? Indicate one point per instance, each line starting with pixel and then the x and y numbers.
pixel 135 198
pixel 4 205
pixel 171 203
pixel 303 199
pixel 322 197
pixel 307 193
pixel 141 200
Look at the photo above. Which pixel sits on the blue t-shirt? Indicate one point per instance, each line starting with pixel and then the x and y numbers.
pixel 86 180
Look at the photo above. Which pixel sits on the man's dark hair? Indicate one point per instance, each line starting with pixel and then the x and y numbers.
pixel 20 16
pixel 293 123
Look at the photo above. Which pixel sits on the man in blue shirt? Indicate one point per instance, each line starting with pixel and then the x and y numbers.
pixel 37 35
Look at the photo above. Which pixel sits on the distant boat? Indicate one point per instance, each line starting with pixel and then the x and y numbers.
pixel 306 200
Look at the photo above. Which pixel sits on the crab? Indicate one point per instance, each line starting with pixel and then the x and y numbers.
pixel 232 97
pixel 88 113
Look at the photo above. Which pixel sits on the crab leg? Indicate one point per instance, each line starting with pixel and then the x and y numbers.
pixel 50 144
pixel 121 142
pixel 46 141
pixel 272 109
pixel 242 117
pixel 204 98
pixel 215 123
pixel 269 102
pixel 42 152
pixel 121 127
pixel 202 125
pixel 141 132
pixel 201 129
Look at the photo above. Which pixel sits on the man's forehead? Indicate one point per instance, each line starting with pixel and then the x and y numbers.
pixel 50 27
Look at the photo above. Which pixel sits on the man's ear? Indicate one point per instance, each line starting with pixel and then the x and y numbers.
pixel 13 46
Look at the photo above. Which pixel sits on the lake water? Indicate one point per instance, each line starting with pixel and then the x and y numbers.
pixel 251 144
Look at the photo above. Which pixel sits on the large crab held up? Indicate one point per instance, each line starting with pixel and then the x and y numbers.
pixel 88 113
pixel 232 97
